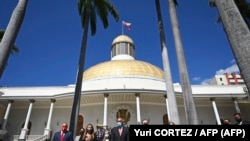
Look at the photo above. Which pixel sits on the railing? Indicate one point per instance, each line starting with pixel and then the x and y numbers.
pixel 31 137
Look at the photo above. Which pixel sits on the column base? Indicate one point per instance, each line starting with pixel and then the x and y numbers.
pixel 48 133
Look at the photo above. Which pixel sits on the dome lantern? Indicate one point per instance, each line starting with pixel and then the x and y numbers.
pixel 122 48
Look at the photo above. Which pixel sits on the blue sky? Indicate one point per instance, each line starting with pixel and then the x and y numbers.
pixel 50 39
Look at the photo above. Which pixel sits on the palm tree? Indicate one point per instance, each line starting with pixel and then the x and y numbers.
pixel 88 10
pixel 172 104
pixel 244 9
pixel 14 49
pixel 237 33
pixel 11 33
pixel 191 115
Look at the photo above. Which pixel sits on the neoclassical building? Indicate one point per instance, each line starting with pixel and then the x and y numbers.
pixel 122 86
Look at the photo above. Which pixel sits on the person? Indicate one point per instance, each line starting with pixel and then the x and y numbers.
pixel 81 134
pixel 239 120
pixel 120 132
pixel 145 122
pixel 99 132
pixel 64 134
pixel 89 133
pixel 226 121
pixel 106 135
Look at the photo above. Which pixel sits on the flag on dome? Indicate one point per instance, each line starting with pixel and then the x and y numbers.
pixel 127 25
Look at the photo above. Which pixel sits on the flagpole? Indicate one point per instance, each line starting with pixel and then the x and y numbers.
pixel 122 28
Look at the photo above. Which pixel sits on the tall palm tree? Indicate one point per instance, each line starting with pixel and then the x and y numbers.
pixel 244 8
pixel 11 33
pixel 88 10
pixel 14 49
pixel 237 33
pixel 172 104
pixel 190 110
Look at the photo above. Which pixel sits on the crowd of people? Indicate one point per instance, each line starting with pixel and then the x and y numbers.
pixel 120 132
pixel 238 120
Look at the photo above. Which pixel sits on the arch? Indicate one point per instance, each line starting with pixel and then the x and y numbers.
pixel 79 124
pixel 165 119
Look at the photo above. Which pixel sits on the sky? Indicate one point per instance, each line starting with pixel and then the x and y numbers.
pixel 50 38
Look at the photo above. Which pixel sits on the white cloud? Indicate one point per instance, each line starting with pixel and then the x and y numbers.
pixel 231 69
pixel 176 84
pixel 206 81
pixel 233 61
pixel 196 79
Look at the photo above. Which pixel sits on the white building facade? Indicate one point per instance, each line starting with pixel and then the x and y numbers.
pixel 228 79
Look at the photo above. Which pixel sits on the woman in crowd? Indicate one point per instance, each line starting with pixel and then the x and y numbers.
pixel 89 133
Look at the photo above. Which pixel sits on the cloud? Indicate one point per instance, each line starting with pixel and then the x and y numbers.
pixel 233 68
pixel 176 84
pixel 233 61
pixel 196 79
pixel 206 81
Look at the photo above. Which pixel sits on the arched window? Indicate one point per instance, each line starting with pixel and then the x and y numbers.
pixel 165 119
pixel 79 124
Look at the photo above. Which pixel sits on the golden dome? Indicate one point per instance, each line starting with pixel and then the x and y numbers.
pixel 123 67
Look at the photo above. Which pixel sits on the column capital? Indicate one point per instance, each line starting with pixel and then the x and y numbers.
pixel 137 94
pixel 106 94
pixel 234 99
pixel 165 96
pixel 212 99
pixel 32 101
pixel 53 100
pixel 11 101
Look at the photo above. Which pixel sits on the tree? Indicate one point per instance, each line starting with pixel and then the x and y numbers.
pixel 11 33
pixel 237 33
pixel 88 10
pixel 244 9
pixel 190 110
pixel 172 104
pixel 14 49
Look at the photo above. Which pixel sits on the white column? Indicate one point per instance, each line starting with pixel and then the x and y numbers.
pixel 138 112
pixel 236 105
pixel 25 129
pixel 47 130
pixel 105 109
pixel 5 119
pixel 166 99
pixel 216 111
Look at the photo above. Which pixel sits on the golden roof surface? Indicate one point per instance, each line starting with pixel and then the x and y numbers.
pixel 123 67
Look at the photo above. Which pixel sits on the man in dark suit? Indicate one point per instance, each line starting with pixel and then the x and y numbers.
pixel 120 132
pixel 64 134
pixel 239 120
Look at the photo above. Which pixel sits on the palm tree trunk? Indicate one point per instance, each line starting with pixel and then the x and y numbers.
pixel 172 104
pixel 78 87
pixel 11 33
pixel 238 35
pixel 191 115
